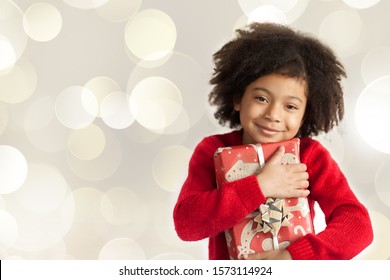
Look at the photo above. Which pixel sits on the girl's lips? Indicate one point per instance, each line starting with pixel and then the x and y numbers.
pixel 267 130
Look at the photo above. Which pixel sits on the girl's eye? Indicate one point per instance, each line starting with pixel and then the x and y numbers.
pixel 291 107
pixel 261 99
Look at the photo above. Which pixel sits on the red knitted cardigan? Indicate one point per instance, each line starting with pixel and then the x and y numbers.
pixel 203 211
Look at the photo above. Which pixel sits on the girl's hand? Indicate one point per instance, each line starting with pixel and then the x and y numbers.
pixel 283 181
pixel 269 255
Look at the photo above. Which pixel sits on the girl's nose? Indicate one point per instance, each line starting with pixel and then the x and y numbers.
pixel 273 113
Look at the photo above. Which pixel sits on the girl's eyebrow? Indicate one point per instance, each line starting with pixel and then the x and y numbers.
pixel 271 93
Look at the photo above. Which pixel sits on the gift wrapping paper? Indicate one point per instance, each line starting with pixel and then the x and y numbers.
pixel 276 223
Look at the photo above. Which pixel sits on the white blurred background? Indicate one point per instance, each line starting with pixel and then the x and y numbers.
pixel 103 101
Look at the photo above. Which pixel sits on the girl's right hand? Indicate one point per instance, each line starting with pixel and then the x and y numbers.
pixel 283 181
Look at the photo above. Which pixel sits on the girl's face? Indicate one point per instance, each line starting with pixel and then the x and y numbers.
pixel 272 109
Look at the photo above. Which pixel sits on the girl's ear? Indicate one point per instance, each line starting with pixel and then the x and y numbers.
pixel 237 107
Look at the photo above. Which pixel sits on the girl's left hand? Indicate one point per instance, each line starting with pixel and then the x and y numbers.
pixel 269 255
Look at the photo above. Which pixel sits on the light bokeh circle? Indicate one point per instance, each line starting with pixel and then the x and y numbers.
pixel 119 10
pixel 11 27
pixel 84 206
pixel 13 169
pixel 382 182
pixel 170 167
pixel 247 6
pixel 183 75
pixel 139 134
pixel 121 206
pixel 164 227
pixel 42 128
pixel 375 64
pixel 44 190
pixel 3 118
pixel 361 4
pixel 87 143
pixel 342 30
pixel 101 87
pixel 150 35
pixel 361 172
pixel 296 11
pixel 122 249
pixel 267 13
pixel 19 83
pixel 2 202
pixel 56 252
pixel 8 230
pixel 76 107
pixel 7 54
pixel 84 238
pixel 288 11
pixel 372 112
pixel 86 4
pixel 39 114
pixel 101 167
pixel 42 22
pixel 155 103
pixel 40 231
pixel 115 110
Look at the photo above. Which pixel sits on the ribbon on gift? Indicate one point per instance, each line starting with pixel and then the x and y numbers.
pixel 273 215
pixel 260 153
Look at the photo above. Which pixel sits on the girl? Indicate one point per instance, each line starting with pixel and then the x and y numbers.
pixel 272 84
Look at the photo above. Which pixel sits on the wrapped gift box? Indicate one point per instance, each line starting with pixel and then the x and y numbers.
pixel 278 222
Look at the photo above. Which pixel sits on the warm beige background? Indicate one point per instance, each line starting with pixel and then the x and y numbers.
pixel 102 102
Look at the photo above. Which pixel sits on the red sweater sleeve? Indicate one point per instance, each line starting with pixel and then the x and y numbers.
pixel 348 229
pixel 203 210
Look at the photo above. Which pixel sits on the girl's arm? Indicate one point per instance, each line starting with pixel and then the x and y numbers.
pixel 348 229
pixel 203 210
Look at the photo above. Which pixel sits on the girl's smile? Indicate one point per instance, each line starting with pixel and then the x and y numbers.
pixel 267 130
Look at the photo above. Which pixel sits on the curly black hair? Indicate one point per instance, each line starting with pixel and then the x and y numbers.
pixel 260 49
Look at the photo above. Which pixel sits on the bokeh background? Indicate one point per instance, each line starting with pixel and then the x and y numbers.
pixel 103 101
